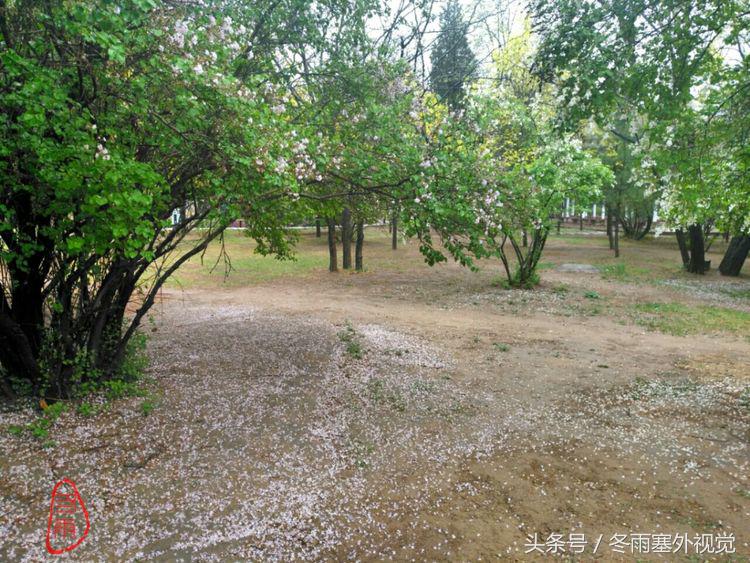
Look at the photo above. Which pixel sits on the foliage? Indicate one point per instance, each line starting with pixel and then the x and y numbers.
pixel 453 62
pixel 666 81
pixel 115 116
pixel 496 176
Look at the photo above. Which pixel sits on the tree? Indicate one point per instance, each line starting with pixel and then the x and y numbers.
pixel 453 62
pixel 114 115
pixel 369 144
pixel 494 177
pixel 649 62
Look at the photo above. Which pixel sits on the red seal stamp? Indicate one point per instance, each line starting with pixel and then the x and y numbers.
pixel 68 523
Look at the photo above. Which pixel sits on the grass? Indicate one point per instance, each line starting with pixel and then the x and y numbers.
pixel 737 293
pixel 561 289
pixel 247 267
pixel 744 399
pixel 86 409
pixel 147 406
pixel 250 268
pixel 647 261
pixel 117 389
pixel 350 338
pixel 679 319
pixel 623 272
pixel 643 388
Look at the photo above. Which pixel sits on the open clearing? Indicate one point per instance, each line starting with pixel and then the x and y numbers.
pixel 410 412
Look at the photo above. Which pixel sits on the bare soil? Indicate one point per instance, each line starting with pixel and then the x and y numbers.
pixel 406 414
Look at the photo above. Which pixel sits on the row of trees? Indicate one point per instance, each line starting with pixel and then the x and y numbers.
pixel 660 89
pixel 115 115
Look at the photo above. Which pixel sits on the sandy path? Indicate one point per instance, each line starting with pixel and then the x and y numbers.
pixel 460 431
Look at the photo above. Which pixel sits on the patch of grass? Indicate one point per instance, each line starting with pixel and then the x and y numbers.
pixel 627 272
pixel 500 282
pixel 566 237
pixel 591 295
pixel 353 345
pixel 86 409
pixel 354 349
pixel 379 393
pixel 40 427
pixel 247 266
pixel 561 289
pixel 618 272
pixel 744 399
pixel 546 266
pixel 422 385
pixel 147 406
pixel 376 389
pixel 136 360
pixel 737 293
pixel 501 347
pixel 680 320
pixel 117 389
pixel 397 401
pixel 362 449
pixel 643 388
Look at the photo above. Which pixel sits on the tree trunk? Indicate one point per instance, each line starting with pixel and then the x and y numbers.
pixel 580 221
pixel 735 256
pixel 634 225
pixel 617 239
pixel 346 238
pixel 610 233
pixel 16 353
pixel 525 240
pixel 394 230
pixel 317 228
pixel 358 260
pixel 697 263
pixel 332 259
pixel 683 245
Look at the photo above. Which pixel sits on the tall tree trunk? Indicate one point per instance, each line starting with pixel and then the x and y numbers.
pixel 697 263
pixel 683 246
pixel 617 239
pixel 580 221
pixel 16 353
pixel 394 230
pixel 332 259
pixel 735 256
pixel 358 259
pixel 317 227
pixel 610 232
pixel 346 238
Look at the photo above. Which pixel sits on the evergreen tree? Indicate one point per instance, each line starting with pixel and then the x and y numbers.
pixel 453 62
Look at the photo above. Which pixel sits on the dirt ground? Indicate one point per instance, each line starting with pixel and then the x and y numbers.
pixel 410 414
